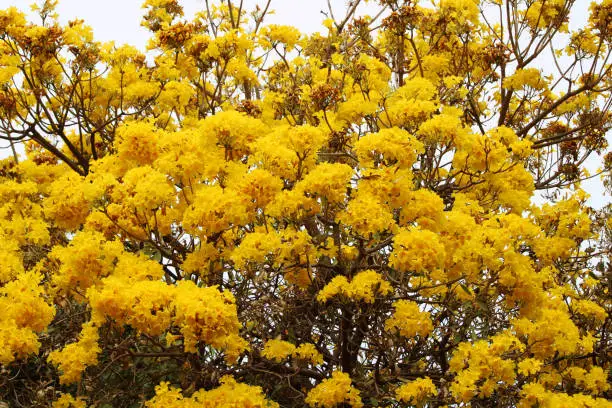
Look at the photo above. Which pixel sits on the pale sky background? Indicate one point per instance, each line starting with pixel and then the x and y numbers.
pixel 119 21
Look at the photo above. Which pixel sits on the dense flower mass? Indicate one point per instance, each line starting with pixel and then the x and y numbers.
pixel 387 212
pixel 229 394
pixel 333 392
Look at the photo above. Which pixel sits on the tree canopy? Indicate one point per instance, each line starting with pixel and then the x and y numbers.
pixel 385 213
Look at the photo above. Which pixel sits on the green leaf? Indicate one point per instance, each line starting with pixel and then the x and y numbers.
pixel 465 288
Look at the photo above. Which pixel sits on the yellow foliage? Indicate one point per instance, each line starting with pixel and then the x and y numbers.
pixel 25 312
pixel 229 394
pixel 363 287
pixel 417 391
pixel 408 320
pixel 371 193
pixel 334 391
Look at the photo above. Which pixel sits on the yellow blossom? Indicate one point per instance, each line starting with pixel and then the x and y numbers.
pixel 333 392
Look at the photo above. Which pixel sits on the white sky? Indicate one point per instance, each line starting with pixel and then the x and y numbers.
pixel 119 21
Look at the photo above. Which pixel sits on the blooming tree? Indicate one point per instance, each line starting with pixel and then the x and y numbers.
pixel 249 216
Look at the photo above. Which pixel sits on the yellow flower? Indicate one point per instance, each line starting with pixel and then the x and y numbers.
pixel 415 392
pixel 334 391
pixel 308 352
pixel 529 366
pixel 366 216
pixel 73 359
pixel 329 180
pixel 363 287
pixel 408 320
pixel 387 147
pixel 417 250
pixel 287 35
pixel 24 313
pixel 68 401
pixel 228 394
pixel 277 350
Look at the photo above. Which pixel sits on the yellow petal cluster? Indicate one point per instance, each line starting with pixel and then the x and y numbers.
pixel 364 287
pixel 334 392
